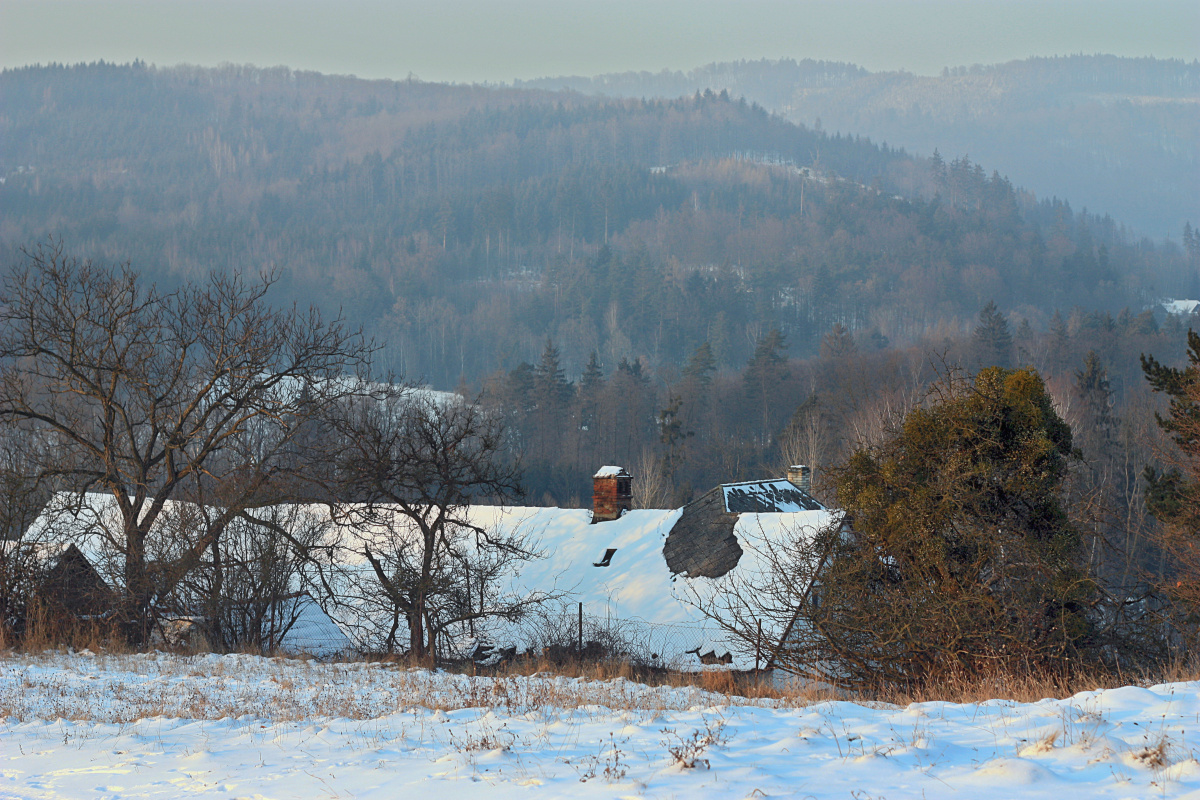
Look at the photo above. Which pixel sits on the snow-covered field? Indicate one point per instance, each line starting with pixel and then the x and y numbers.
pixel 87 726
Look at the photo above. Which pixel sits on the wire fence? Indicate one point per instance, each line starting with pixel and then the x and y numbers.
pixel 585 636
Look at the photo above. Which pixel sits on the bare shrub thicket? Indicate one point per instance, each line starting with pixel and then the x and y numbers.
pixel 765 610
pixel 243 592
pixel 651 481
pixel 22 498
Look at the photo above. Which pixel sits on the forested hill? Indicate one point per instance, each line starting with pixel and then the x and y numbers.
pixel 467 225
pixel 1117 135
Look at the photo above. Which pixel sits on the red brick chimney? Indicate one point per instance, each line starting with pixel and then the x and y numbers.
pixel 612 493
pixel 800 476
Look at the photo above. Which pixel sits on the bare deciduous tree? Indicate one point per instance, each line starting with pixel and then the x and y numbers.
pixel 22 497
pixel 146 395
pixel 412 465
pixel 651 483
pixel 765 606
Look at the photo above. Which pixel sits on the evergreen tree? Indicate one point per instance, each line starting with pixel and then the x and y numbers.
pixel 701 366
pixel 1094 393
pixel 551 392
pixel 1173 494
pixel 992 340
pixel 592 379
pixel 768 351
pixel 1145 324
pixel 961 556
pixel 1191 244
pixel 519 388
pixel 550 384
pixel 838 343
pixel 937 169
pixel 591 387
pixel 764 376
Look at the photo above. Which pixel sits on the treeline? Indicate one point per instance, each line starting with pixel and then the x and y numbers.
pixel 684 431
pixel 464 226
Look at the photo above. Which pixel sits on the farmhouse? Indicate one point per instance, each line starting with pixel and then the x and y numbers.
pixel 614 574
pixel 635 574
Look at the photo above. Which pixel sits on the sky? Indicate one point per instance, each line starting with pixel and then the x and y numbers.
pixel 495 41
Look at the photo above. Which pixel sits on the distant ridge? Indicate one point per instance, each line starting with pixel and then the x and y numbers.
pixel 1118 135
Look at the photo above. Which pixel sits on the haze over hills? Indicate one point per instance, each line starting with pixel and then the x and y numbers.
pixel 1120 136
pixel 468 225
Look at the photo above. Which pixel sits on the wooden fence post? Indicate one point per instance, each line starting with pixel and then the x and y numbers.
pixel 758 645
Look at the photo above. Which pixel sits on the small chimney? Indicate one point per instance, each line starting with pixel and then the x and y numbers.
pixel 800 476
pixel 612 493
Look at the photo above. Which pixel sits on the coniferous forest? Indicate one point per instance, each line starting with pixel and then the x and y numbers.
pixel 693 287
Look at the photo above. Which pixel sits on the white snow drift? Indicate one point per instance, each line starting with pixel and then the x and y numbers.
pixel 83 726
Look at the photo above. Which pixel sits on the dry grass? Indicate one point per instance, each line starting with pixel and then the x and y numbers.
pixel 123 688
pixel 50 629
pixel 37 682
pixel 1024 687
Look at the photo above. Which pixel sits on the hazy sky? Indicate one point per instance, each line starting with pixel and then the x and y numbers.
pixel 498 40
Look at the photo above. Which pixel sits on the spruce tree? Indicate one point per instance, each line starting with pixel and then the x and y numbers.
pixel 764 375
pixel 591 388
pixel 838 343
pixel 992 340
pixel 550 384
pixel 1092 389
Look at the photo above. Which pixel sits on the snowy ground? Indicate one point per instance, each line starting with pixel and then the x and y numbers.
pixel 84 726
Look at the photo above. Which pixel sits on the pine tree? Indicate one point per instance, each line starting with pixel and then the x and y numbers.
pixel 958 525
pixel 1173 494
pixel 701 366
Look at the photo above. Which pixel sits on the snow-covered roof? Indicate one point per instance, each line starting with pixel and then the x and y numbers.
pixel 611 472
pixel 1182 307
pixel 772 496
pixel 313 632
pixel 635 586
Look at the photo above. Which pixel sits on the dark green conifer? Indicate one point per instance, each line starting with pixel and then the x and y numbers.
pixel 992 340
pixel 701 366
